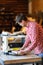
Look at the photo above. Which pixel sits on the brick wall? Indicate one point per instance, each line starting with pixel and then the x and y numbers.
pixel 16 6
pixel 13 7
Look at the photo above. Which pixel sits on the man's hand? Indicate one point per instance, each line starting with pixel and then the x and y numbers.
pixel 20 52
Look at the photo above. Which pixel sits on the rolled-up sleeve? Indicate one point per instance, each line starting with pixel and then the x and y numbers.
pixel 27 41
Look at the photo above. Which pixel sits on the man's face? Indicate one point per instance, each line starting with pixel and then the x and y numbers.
pixel 23 23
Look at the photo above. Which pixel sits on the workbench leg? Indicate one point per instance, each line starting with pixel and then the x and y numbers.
pixel 37 63
pixel 32 63
pixel 42 61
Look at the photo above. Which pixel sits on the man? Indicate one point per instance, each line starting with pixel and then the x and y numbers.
pixel 34 36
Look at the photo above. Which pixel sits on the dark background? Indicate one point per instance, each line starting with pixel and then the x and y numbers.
pixel 8 10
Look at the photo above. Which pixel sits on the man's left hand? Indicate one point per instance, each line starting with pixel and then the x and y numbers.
pixel 20 52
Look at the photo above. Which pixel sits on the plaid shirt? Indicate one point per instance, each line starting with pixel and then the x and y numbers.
pixel 35 36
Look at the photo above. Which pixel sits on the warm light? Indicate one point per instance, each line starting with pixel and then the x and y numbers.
pixel 11 39
pixel 23 29
pixel 13 29
pixel 31 19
